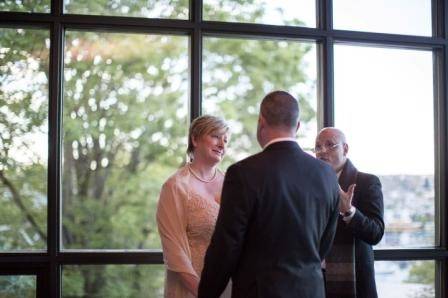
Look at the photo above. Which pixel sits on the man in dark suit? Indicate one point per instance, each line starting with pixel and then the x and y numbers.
pixel 278 215
pixel 350 264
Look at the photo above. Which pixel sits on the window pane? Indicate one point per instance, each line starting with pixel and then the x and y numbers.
pixel 238 73
pixel 279 12
pixel 13 286
pixel 25 6
pixel 113 281
pixel 405 279
pixel 387 16
pixel 125 127
pixel 23 138
pixel 171 9
pixel 384 104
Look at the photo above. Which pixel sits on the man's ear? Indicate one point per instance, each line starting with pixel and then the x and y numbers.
pixel 298 126
pixel 345 147
pixel 261 121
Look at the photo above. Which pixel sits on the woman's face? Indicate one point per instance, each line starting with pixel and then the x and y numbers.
pixel 211 147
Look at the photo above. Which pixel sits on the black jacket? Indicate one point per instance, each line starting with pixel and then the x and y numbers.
pixel 277 221
pixel 366 226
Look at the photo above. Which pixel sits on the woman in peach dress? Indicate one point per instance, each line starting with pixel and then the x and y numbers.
pixel 188 207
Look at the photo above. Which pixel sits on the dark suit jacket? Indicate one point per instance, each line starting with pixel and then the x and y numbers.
pixel 277 220
pixel 366 226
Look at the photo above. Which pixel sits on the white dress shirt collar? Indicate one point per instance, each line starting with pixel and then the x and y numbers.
pixel 276 140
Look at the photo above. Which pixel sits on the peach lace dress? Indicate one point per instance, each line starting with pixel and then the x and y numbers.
pixel 186 223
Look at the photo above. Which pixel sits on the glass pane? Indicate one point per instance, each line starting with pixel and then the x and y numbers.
pixel 386 16
pixel 171 9
pixel 23 138
pixel 125 127
pixel 238 73
pixel 15 286
pixel 384 104
pixel 405 279
pixel 25 5
pixel 113 281
pixel 279 12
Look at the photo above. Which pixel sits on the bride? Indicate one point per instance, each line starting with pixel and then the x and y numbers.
pixel 188 207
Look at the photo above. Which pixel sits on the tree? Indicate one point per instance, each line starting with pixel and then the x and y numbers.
pixel 125 118
pixel 423 272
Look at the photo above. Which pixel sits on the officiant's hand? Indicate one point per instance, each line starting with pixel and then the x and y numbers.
pixel 345 202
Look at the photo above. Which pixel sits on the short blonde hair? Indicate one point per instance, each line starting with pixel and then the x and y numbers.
pixel 202 126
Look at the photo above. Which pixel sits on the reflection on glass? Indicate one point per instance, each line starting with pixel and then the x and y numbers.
pixel 23 138
pixel 171 9
pixel 384 104
pixel 113 281
pixel 14 286
pixel 279 12
pixel 386 16
pixel 25 5
pixel 125 119
pixel 405 279
pixel 238 73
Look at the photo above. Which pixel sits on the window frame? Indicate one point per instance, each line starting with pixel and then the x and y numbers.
pixel 47 266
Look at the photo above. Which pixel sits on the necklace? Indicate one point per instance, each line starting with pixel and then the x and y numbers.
pixel 199 178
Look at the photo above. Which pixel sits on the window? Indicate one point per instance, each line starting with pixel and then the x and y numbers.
pixel 235 81
pixel 113 281
pixel 279 12
pixel 405 278
pixel 96 98
pixel 411 17
pixel 125 119
pixel 17 286
pixel 24 58
pixel 25 6
pixel 174 9
pixel 370 95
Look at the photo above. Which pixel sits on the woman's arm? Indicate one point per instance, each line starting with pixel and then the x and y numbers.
pixel 171 221
pixel 191 282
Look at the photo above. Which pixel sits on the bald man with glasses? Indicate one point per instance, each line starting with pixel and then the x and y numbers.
pixel 349 267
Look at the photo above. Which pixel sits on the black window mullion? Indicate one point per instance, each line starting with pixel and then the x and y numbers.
pixel 440 141
pixel 57 7
pixel 442 273
pixel 52 284
pixel 326 84
pixel 438 23
pixel 324 10
pixel 196 59
pixel 43 285
pixel 325 63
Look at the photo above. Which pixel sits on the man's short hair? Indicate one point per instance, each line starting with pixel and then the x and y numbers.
pixel 280 109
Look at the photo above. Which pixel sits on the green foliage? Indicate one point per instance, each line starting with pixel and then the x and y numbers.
pixel 131 8
pixel 125 121
pixel 422 272
pixel 239 72
pixel 23 120
pixel 17 286
pixel 25 5
pixel 116 281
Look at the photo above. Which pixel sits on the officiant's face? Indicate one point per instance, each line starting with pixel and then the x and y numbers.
pixel 211 146
pixel 331 148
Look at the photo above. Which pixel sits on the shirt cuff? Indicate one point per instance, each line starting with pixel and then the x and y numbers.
pixel 347 219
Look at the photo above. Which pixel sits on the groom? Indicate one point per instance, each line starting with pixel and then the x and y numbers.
pixel 278 215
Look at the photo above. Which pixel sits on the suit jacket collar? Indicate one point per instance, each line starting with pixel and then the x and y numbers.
pixel 348 175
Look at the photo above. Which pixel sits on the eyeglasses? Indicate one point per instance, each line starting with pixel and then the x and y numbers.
pixel 327 147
